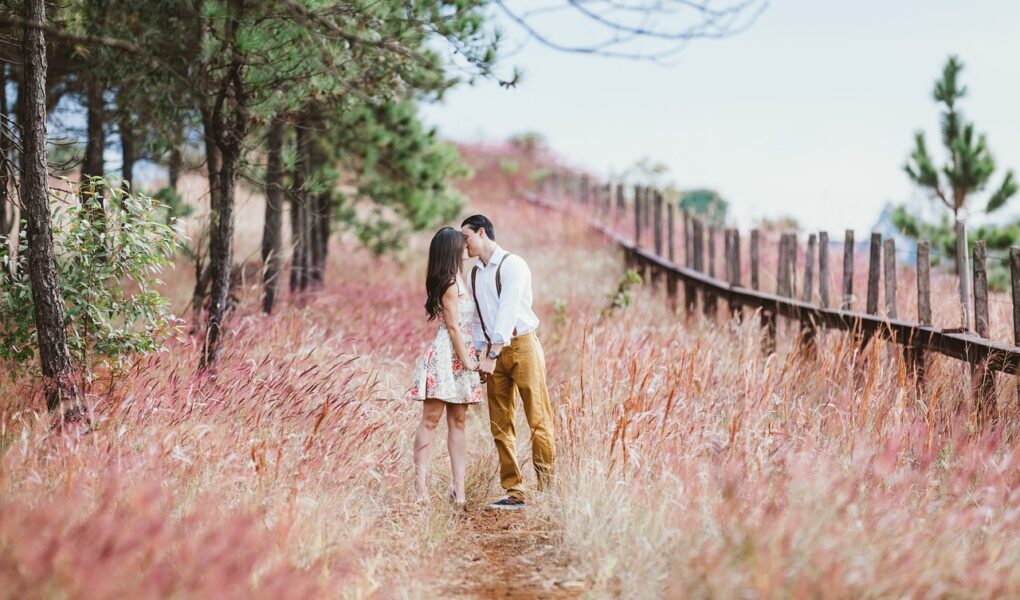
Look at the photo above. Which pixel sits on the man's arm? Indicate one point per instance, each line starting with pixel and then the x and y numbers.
pixel 477 337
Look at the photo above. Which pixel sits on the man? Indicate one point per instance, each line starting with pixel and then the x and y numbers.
pixel 511 357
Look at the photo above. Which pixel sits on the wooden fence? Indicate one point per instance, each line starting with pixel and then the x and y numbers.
pixel 606 206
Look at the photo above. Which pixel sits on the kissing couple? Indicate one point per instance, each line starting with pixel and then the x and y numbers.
pixel 486 334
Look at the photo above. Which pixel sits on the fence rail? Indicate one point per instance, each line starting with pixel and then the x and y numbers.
pixel 916 338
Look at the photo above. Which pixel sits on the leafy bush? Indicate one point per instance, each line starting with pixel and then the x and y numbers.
pixel 108 257
pixel 623 296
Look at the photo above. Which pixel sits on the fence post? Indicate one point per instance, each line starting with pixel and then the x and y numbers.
pixel 709 297
pixel 755 238
pixel 784 286
pixel 733 270
pixel 962 268
pixel 711 250
pixel 807 325
pixel 823 268
pixel 657 199
pixel 787 262
pixel 848 270
pixel 736 257
pixel 1014 276
pixel 671 230
pixel 984 377
pixel 637 216
pixel 916 359
pixel 727 259
pixel 690 293
pixel 873 273
pixel 646 195
pixel 767 316
pixel 889 265
pixel 809 268
pixel 671 276
pixel 699 244
pixel 654 200
pixel 688 239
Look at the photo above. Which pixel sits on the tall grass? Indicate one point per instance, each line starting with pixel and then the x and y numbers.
pixel 689 464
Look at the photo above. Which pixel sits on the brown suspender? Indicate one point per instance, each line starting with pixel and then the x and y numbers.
pixel 499 290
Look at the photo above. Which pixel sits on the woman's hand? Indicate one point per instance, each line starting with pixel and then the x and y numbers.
pixel 471 364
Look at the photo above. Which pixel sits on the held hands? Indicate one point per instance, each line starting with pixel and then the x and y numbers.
pixel 486 366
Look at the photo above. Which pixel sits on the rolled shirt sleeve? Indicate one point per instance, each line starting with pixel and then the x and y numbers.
pixel 515 278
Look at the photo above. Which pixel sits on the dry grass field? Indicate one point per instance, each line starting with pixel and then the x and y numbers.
pixel 689 464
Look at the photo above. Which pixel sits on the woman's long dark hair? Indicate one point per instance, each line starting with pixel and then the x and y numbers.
pixel 445 260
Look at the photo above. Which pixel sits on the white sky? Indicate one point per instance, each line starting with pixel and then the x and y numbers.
pixel 810 113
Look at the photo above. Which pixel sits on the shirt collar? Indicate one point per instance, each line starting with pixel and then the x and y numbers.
pixel 497 255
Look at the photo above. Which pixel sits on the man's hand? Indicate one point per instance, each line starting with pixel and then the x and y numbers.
pixel 487 365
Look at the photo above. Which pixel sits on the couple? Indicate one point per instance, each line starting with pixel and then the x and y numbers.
pixel 486 334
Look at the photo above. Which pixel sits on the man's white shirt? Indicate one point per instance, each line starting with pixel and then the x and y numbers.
pixel 509 310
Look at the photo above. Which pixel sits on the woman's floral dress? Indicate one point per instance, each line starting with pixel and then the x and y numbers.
pixel 441 374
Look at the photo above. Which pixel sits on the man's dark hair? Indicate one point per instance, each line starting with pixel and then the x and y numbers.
pixel 476 222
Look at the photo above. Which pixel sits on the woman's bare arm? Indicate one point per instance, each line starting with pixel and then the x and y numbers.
pixel 452 318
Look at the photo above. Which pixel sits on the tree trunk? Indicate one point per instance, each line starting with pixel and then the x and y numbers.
pixel 127 151
pixel 95 138
pixel 221 234
pixel 296 239
pixel 47 302
pixel 272 232
pixel 6 205
pixel 174 167
pixel 228 135
pixel 326 215
pixel 321 208
pixel 963 271
pixel 316 204
pixel 202 268
pixel 300 213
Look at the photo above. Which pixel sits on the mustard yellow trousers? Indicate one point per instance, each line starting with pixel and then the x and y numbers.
pixel 520 368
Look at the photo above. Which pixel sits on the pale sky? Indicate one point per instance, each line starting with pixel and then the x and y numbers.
pixel 809 113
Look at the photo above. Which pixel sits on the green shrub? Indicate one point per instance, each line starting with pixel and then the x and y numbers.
pixel 108 257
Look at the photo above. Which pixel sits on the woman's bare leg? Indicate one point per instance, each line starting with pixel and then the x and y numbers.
pixel 456 417
pixel 431 411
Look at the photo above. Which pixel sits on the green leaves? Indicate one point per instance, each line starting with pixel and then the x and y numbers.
pixel 970 164
pixel 1006 191
pixel 923 172
pixel 107 269
pixel 400 172
pixel 947 89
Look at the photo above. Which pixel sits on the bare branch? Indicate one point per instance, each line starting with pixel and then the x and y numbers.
pixel 623 23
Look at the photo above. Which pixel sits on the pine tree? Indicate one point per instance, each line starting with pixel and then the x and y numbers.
pixel 968 170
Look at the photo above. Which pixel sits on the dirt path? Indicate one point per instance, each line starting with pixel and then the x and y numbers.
pixel 509 555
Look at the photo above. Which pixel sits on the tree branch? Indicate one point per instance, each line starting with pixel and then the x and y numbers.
pixel 101 40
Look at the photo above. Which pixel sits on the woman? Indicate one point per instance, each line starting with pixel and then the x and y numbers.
pixel 446 377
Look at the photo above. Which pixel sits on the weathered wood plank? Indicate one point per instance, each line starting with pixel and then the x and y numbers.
pixel 848 270
pixel 874 259
pixel 889 260
pixel 823 268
